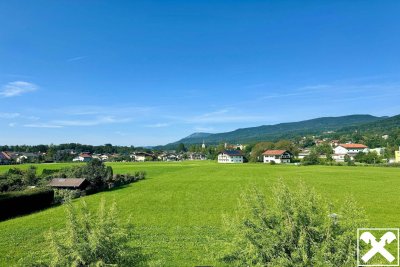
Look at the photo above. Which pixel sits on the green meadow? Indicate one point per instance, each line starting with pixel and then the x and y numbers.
pixel 177 211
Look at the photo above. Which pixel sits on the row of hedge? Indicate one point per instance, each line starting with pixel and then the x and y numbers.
pixel 22 202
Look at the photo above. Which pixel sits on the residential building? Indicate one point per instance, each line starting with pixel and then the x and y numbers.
pixel 277 156
pixel 101 157
pixel 196 156
pixel 379 150
pixel 303 153
pixel 334 143
pixel 350 150
pixel 141 156
pixel 83 157
pixel 397 156
pixel 5 158
pixel 170 157
pixel 230 156
pixel 234 147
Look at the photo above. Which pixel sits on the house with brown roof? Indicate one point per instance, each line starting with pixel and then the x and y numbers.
pixel 350 150
pixel 84 157
pixel 277 156
pixel 69 183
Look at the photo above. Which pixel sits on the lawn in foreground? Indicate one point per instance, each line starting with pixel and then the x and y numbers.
pixel 178 209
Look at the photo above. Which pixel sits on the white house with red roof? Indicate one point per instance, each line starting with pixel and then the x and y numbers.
pixel 230 156
pixel 277 156
pixel 351 150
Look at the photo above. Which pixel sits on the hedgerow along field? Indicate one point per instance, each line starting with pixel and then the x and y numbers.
pixel 177 211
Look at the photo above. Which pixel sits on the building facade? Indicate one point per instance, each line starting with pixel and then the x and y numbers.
pixel 230 156
pixel 277 156
pixel 350 150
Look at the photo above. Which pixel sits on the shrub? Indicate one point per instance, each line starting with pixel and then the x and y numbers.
pixel 65 195
pixel 122 179
pixel 92 240
pixel 49 172
pixel 298 228
pixel 22 202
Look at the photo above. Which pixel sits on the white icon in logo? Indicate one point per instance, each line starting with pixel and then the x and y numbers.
pixel 378 247
pixel 383 251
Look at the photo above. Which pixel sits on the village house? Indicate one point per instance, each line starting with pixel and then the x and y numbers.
pixel 5 158
pixel 170 157
pixel 101 157
pixel 397 156
pixel 380 151
pixel 230 156
pixel 319 142
pixel 83 157
pixel 303 153
pixel 196 156
pixel 141 156
pixel 350 150
pixel 234 147
pixel 277 156
pixel 69 183
pixel 334 143
pixel 26 156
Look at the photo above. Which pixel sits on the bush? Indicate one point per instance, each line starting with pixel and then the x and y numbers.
pixel 122 179
pixel 65 195
pixel 298 228
pixel 91 240
pixel 49 172
pixel 22 202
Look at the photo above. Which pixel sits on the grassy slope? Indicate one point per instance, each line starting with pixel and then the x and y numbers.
pixel 178 209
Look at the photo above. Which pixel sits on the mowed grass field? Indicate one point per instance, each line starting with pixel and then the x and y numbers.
pixel 178 209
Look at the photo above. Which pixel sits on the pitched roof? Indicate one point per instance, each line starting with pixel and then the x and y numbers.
pixel 4 155
pixel 274 152
pixel 353 146
pixel 233 152
pixel 67 182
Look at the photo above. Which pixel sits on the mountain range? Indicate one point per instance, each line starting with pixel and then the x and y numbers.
pixel 293 129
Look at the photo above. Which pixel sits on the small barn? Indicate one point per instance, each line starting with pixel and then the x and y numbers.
pixel 69 183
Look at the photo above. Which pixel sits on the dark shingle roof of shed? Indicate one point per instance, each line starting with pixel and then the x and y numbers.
pixel 67 182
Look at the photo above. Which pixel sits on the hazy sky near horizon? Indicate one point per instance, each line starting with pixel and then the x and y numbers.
pixel 152 72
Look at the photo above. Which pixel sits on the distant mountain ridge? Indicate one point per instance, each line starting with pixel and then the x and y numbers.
pixel 284 130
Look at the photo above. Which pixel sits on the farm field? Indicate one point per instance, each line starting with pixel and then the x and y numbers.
pixel 177 211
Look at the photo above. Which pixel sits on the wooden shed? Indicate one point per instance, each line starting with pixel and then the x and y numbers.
pixel 69 183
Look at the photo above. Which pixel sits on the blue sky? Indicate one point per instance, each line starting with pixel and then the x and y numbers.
pixel 152 72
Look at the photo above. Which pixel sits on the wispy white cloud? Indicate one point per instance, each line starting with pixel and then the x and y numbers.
pixel 17 88
pixel 17 115
pixel 270 96
pixel 76 58
pixel 120 133
pixel 103 110
pixel 157 125
pixel 225 116
pixel 6 115
pixel 12 124
pixel 42 125
pixel 92 122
